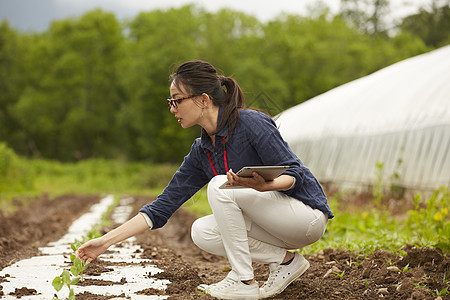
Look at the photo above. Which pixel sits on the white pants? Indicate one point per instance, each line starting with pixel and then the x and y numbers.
pixel 247 225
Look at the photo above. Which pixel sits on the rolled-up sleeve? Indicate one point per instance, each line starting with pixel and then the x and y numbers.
pixel 188 179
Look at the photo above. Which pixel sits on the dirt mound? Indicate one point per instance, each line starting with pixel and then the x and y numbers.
pixel 426 257
pixel 33 226
pixel 334 273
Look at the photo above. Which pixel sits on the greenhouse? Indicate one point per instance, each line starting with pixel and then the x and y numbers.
pixel 397 118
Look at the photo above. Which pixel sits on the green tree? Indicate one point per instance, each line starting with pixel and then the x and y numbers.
pixel 70 112
pixel 92 87
pixel 310 52
pixel 366 15
pixel 158 41
pixel 316 55
pixel 11 79
pixel 432 25
pixel 234 42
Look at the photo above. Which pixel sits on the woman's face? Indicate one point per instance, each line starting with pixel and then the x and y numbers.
pixel 187 112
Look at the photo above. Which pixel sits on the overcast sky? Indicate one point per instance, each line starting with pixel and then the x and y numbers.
pixel 36 15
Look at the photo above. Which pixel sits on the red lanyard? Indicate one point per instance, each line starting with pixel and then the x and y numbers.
pixel 224 158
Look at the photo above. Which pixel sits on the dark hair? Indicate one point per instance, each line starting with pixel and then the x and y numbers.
pixel 200 77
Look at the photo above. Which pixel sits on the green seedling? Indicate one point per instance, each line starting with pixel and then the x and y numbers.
pixel 78 266
pixel 64 280
pixel 77 269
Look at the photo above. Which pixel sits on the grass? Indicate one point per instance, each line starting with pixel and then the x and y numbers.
pixel 99 175
pixel 96 176
pixel 362 230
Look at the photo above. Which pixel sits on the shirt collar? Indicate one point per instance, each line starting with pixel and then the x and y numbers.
pixel 206 142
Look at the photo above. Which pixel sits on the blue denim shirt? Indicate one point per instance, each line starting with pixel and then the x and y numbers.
pixel 255 141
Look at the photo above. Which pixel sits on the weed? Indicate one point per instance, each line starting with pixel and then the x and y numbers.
pixel 443 292
pixel 341 275
pixel 405 268
pixel 379 183
pixel 389 262
pixel 395 188
pixel 429 218
pixel 397 191
pixel 352 262
pixel 419 285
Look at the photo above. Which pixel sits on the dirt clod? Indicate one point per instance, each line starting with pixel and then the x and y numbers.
pixel 24 291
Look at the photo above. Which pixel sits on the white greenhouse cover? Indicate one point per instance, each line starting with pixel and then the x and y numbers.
pixel 399 113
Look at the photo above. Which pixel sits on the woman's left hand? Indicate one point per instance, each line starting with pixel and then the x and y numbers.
pixel 256 182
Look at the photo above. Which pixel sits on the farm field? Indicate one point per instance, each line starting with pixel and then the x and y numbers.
pixel 84 117
pixel 420 273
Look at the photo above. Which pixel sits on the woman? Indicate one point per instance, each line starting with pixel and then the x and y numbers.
pixel 260 222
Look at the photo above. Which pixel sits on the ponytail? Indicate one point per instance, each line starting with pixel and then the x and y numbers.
pixel 234 101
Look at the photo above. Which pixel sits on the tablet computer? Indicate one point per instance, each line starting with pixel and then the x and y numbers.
pixel 266 172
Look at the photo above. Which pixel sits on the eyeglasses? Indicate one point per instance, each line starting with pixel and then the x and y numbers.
pixel 174 102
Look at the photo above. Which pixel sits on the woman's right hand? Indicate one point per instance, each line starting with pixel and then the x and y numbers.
pixel 91 249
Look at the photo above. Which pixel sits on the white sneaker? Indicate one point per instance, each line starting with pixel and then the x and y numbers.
pixel 282 275
pixel 232 289
pixel 203 287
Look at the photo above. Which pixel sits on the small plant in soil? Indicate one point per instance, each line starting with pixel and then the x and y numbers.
pixel 341 275
pixel 443 292
pixel 77 269
pixel 79 266
pixel 60 281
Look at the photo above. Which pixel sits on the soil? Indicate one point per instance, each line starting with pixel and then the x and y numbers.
pixel 334 273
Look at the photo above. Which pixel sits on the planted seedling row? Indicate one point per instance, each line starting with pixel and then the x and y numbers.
pixel 52 276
